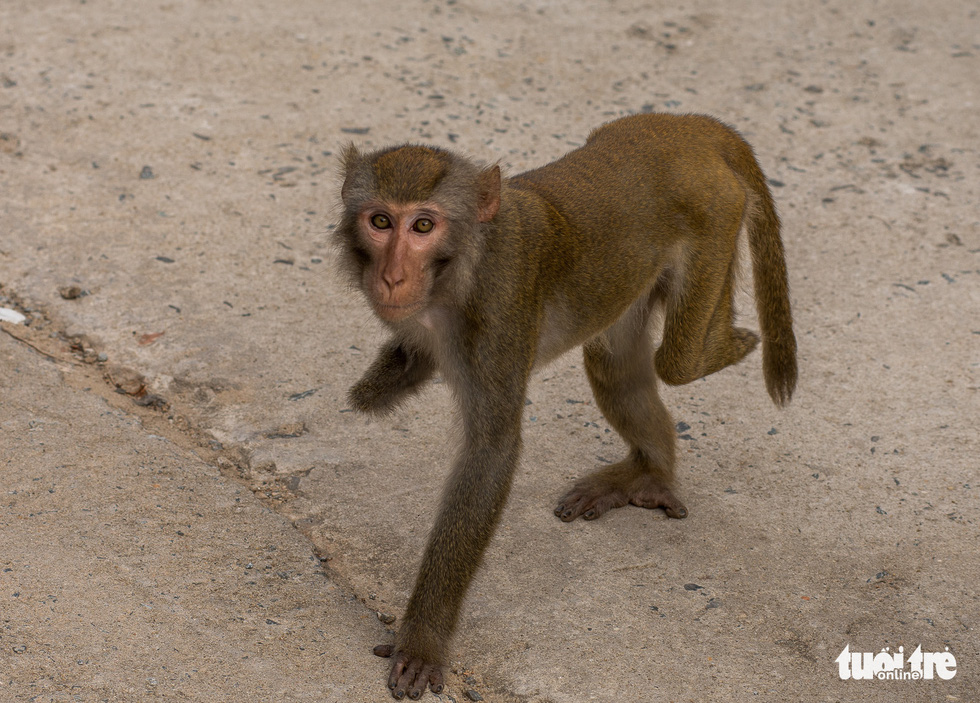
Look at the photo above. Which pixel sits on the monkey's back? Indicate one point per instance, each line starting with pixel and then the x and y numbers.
pixel 643 178
pixel 643 169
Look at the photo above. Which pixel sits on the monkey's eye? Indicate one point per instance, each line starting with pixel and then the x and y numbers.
pixel 380 221
pixel 423 226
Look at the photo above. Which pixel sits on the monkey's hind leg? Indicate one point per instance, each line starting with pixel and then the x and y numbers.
pixel 699 335
pixel 620 369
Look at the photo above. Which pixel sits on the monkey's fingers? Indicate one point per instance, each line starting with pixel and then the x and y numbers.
pixel 404 671
pixel 397 669
pixel 435 679
pixel 429 675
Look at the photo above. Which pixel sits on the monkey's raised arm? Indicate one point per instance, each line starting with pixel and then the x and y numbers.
pixel 397 372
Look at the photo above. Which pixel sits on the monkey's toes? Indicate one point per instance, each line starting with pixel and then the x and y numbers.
pixel 747 338
pixel 593 497
pixel 588 504
pixel 659 497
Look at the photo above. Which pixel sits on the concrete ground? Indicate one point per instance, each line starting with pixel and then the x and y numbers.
pixel 189 510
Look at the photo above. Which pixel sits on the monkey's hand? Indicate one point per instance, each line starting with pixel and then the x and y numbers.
pixel 396 373
pixel 410 674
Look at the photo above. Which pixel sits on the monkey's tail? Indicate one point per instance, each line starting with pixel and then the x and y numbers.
pixel 771 288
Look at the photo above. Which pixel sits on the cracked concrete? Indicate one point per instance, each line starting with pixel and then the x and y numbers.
pixel 191 513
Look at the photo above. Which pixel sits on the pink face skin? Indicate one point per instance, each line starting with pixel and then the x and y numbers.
pixel 401 238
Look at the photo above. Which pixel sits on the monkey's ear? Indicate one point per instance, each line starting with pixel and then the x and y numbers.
pixel 350 157
pixel 489 202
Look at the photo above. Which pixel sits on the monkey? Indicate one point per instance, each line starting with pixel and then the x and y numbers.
pixel 484 278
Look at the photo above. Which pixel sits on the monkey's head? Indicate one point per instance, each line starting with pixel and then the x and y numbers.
pixel 411 225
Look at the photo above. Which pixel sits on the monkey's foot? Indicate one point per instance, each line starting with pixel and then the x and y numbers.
pixel 613 487
pixel 410 674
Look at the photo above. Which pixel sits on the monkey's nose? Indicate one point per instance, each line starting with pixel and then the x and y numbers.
pixel 392 279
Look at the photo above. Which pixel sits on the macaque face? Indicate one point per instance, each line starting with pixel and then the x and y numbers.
pixel 402 241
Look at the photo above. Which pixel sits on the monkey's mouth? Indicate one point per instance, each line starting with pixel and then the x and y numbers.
pixel 396 313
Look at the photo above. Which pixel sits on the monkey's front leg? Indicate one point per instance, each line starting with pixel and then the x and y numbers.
pixel 471 505
pixel 396 373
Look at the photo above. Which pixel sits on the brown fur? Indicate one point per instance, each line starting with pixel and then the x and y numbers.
pixel 644 216
pixel 409 174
